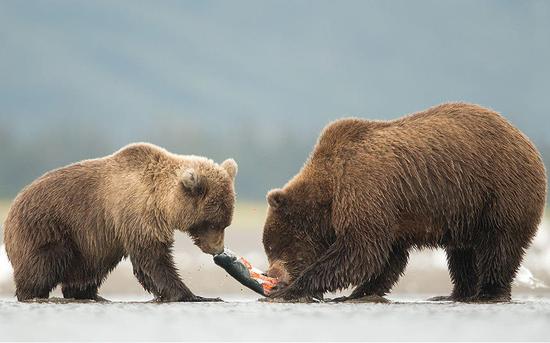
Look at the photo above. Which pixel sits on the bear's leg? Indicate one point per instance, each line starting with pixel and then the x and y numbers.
pixel 26 292
pixel 157 273
pixel 351 259
pixel 81 281
pixel 498 263
pixel 80 292
pixel 43 271
pixel 145 281
pixel 463 273
pixel 384 282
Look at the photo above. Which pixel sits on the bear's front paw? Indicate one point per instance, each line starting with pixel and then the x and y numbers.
pixel 197 298
pixel 440 298
pixel 340 299
pixel 101 299
pixel 286 293
pixel 372 298
pixel 186 299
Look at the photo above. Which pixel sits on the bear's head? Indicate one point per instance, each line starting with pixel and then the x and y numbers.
pixel 297 231
pixel 207 197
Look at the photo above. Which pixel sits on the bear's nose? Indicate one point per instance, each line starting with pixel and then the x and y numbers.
pixel 211 249
pixel 218 250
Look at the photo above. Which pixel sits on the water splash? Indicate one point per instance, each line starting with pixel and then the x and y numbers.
pixel 524 277
pixel 6 270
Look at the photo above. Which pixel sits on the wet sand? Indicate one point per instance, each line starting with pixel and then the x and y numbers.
pixel 242 317
pixel 409 318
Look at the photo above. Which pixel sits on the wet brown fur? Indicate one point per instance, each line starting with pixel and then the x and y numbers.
pixel 456 176
pixel 73 225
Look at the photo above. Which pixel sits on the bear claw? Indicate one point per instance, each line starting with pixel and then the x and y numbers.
pixel 440 298
pixel 374 299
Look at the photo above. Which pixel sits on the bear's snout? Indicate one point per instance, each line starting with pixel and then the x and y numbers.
pixel 212 242
pixel 278 271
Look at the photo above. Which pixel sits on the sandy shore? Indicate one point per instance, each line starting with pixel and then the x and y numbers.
pixel 410 318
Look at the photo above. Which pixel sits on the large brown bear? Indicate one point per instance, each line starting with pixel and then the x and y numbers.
pixel 73 225
pixel 456 176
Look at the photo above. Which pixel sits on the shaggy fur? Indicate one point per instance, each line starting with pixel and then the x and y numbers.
pixel 74 224
pixel 456 176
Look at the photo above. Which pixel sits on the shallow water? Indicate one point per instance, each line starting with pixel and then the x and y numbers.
pixel 412 318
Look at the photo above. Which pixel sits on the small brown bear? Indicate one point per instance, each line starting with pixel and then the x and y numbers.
pixel 73 225
pixel 456 176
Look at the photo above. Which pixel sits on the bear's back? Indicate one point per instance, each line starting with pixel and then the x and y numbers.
pixel 55 206
pixel 444 135
pixel 450 160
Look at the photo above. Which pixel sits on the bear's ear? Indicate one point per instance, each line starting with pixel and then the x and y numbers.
pixel 193 182
pixel 276 198
pixel 230 167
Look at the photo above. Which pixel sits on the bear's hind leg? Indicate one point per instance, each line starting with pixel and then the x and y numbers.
pixel 498 263
pixel 28 292
pixel 81 282
pixel 81 292
pixel 464 275
pixel 43 270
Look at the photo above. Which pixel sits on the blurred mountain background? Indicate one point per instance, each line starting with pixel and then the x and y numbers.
pixel 253 80
pixel 256 81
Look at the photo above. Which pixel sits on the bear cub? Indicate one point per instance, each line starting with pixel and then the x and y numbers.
pixel 73 225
